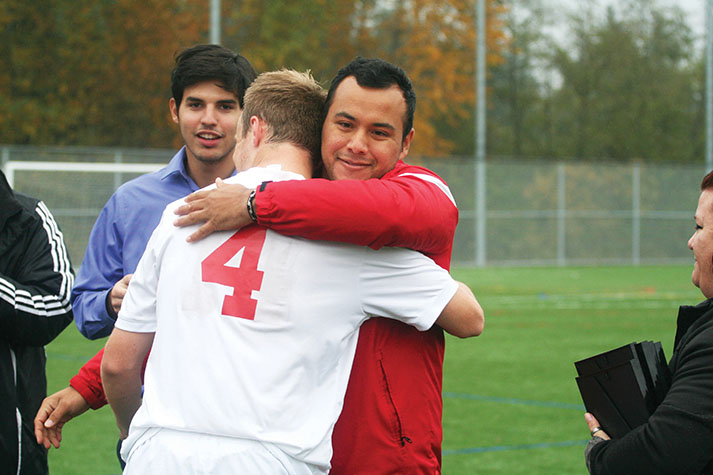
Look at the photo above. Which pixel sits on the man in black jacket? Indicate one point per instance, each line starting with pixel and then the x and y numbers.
pixel 35 282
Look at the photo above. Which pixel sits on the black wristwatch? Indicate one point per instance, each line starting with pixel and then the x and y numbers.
pixel 251 206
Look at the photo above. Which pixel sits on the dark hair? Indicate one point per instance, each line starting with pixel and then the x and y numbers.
pixel 707 182
pixel 211 62
pixel 378 74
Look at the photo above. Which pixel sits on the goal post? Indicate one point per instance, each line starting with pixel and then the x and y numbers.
pixel 11 166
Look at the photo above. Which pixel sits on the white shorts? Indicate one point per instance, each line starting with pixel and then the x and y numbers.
pixel 177 452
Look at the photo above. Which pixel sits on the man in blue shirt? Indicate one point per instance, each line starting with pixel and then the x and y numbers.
pixel 208 85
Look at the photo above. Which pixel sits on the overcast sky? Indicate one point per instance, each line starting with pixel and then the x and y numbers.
pixel 695 10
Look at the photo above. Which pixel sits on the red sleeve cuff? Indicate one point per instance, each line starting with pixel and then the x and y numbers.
pixel 94 397
pixel 88 382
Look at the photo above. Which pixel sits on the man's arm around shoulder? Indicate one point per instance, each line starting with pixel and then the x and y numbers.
pixel 403 210
pixel 409 207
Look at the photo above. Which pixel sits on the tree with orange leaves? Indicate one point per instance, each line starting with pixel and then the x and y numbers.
pixel 434 41
pixel 95 72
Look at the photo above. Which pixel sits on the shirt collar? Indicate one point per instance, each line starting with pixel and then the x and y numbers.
pixel 177 167
pixel 10 205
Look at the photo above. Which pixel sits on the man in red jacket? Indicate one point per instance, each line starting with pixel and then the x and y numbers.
pixel 391 421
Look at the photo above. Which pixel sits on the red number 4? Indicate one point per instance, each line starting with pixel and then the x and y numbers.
pixel 243 279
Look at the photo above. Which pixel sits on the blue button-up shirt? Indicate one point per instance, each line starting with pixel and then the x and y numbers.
pixel 119 238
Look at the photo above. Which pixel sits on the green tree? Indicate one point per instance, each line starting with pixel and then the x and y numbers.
pixel 629 86
pixel 312 34
pixel 97 72
pixel 435 42
pixel 518 112
pixel 432 40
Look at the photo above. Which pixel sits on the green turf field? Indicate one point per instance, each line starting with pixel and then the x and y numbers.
pixel 511 403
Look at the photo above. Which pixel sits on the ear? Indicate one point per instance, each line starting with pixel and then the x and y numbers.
pixel 258 130
pixel 406 144
pixel 174 109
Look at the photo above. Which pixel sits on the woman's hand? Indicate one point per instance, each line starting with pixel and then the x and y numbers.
pixel 594 427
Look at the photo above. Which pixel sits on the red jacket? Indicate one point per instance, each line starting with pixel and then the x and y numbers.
pixel 391 420
pixel 88 382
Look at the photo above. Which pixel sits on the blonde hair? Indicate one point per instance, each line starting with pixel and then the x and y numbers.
pixel 291 104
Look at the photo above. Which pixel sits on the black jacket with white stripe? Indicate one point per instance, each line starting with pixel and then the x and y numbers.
pixel 35 282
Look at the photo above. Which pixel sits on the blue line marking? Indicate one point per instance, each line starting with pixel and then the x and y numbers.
pixel 500 448
pixel 510 400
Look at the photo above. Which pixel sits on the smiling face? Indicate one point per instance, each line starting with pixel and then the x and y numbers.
pixel 207 118
pixel 701 243
pixel 363 131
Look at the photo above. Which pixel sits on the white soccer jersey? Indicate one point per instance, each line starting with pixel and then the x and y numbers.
pixel 256 331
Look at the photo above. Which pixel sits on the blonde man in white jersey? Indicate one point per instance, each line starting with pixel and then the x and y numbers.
pixel 253 332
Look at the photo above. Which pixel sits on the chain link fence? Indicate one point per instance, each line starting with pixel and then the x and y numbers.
pixel 533 212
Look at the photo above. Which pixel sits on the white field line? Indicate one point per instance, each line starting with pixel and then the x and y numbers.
pixel 594 300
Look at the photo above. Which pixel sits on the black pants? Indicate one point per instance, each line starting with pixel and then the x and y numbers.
pixel 118 455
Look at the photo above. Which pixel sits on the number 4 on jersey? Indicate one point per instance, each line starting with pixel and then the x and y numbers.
pixel 243 279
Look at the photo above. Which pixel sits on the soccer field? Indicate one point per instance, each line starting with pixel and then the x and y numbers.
pixel 511 404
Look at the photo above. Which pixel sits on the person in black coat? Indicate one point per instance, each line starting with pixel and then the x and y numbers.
pixel 35 282
pixel 678 437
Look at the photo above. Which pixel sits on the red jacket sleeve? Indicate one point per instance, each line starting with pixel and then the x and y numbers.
pixel 88 382
pixel 408 207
